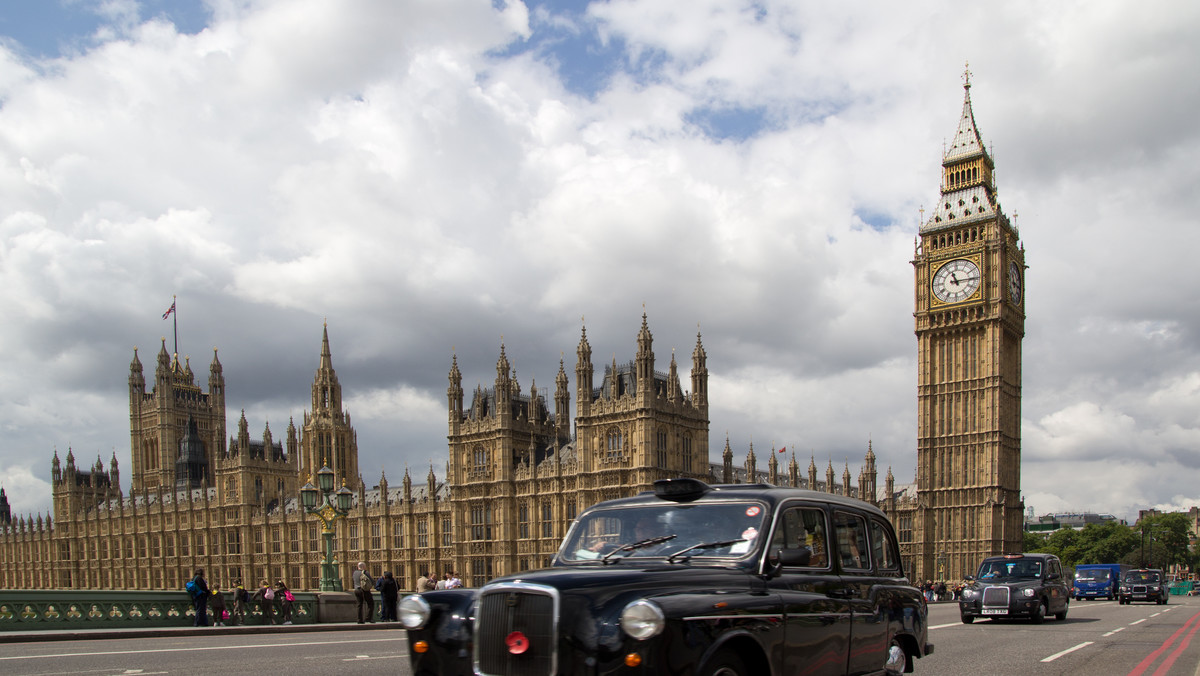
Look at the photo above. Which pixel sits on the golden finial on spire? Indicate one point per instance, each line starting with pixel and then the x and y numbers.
pixel 967 75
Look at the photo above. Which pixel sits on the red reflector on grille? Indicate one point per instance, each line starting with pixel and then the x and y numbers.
pixel 517 643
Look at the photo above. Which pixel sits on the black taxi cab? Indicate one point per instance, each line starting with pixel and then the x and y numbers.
pixel 690 579
pixel 1016 586
pixel 1144 584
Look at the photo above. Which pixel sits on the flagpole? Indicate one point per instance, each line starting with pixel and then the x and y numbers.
pixel 175 323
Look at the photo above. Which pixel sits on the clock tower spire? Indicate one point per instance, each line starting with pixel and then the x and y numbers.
pixel 969 269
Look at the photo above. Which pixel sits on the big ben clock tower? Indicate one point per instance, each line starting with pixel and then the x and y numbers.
pixel 970 320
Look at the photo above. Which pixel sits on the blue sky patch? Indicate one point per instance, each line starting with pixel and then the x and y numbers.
pixel 49 28
pixel 733 123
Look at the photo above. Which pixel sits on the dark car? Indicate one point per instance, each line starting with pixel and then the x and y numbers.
pixel 1144 584
pixel 1016 585
pixel 690 579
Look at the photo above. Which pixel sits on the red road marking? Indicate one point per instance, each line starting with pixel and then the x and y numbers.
pixel 1145 664
pixel 1166 665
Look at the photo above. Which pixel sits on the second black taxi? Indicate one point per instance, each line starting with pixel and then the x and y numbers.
pixel 1028 586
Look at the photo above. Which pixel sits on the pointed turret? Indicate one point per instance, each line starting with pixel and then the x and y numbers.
pixel 968 180
pixel 503 384
pixel 454 393
pixel 137 382
pixel 562 402
pixel 584 372
pixel 674 391
pixel 727 462
pixel 114 475
pixel 751 466
pixel 699 376
pixel 327 437
pixel 645 362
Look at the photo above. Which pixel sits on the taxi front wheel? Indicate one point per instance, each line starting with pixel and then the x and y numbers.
pixel 1039 614
pixel 725 664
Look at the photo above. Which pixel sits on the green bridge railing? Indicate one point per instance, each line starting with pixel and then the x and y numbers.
pixel 67 609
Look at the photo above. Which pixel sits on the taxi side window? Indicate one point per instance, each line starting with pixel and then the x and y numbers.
pixel 851 532
pixel 883 548
pixel 803 528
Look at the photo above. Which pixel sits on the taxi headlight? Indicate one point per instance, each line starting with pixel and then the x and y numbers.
pixel 969 594
pixel 413 611
pixel 1027 592
pixel 642 619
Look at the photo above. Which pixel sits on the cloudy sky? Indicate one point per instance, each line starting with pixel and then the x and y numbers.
pixel 435 177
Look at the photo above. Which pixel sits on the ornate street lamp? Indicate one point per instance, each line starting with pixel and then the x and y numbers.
pixel 333 506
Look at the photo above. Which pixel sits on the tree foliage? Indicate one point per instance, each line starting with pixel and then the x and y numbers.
pixel 1157 541
pixel 1096 543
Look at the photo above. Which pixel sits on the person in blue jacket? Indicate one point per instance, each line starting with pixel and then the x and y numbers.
pixel 200 600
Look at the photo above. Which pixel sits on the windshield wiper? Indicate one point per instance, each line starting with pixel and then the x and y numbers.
pixel 638 545
pixel 704 545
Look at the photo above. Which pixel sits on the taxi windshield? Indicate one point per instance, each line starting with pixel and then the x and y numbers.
pixel 1010 569
pixel 680 532
pixel 1141 576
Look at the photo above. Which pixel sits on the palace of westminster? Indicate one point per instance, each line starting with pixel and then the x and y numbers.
pixel 516 477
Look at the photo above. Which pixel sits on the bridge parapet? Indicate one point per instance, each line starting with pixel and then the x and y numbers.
pixel 92 609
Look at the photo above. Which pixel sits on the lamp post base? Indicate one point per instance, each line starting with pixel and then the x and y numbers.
pixel 330 580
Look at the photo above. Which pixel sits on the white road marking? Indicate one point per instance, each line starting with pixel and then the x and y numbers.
pixel 1138 622
pixel 943 626
pixel 1067 651
pixel 191 649
pixel 1115 631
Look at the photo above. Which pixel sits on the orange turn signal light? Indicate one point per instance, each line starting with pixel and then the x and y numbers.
pixel 420 647
pixel 633 660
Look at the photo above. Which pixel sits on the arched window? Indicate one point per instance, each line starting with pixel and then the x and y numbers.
pixel 615 442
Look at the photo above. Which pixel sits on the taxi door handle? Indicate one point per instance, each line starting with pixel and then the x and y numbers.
pixel 842 593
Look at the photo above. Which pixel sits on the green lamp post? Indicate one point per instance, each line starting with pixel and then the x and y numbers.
pixel 333 505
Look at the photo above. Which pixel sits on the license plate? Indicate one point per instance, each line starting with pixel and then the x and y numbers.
pixel 994 611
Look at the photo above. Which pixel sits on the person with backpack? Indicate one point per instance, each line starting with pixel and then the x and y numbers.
pixel 198 589
pixel 266 602
pixel 285 601
pixel 364 592
pixel 240 598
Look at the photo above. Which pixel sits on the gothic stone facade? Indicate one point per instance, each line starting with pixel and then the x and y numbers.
pixel 519 471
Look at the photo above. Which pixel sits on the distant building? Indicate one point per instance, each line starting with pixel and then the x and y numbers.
pixel 1076 521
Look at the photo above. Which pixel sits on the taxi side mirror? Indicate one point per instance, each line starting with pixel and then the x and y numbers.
pixel 794 557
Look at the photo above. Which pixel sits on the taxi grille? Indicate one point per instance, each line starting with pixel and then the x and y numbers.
pixel 505 610
pixel 1139 589
pixel 995 597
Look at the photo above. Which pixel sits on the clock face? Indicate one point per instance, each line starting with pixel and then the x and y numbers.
pixel 956 281
pixel 1014 283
